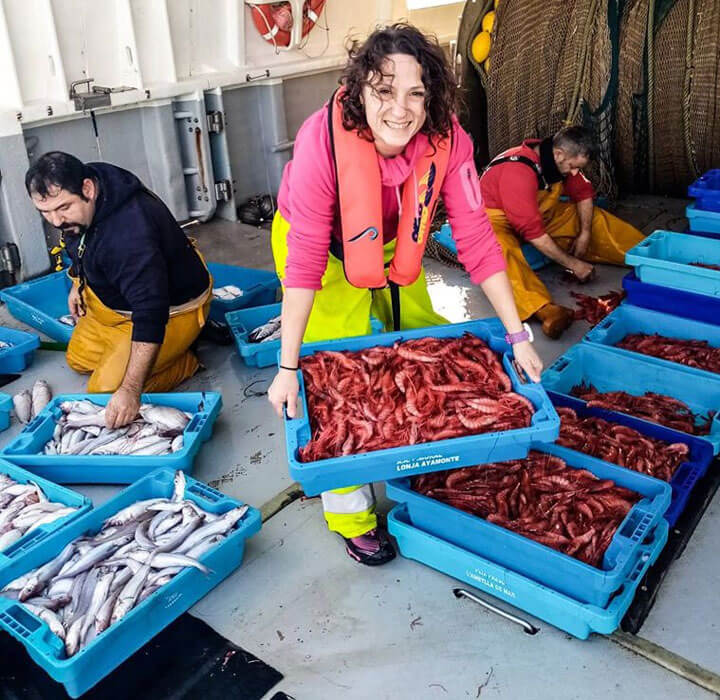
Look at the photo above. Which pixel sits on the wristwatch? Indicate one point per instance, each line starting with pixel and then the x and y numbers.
pixel 526 334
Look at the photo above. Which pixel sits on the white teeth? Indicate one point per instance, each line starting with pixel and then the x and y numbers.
pixel 396 125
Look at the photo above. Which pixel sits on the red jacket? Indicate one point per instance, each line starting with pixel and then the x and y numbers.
pixel 513 187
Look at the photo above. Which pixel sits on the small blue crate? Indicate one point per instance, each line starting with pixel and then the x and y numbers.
pixel 546 565
pixel 243 321
pixel 109 649
pixel 21 352
pixel 6 406
pixel 676 302
pixel 532 255
pixel 380 465
pixel 58 494
pixel 706 190
pixel 664 258
pixel 700 220
pixel 586 363
pixel 686 475
pixel 568 614
pixel 27 448
pixel 627 319
pixel 40 303
pixel 259 288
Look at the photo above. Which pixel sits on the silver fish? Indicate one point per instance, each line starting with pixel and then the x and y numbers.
pixel 49 617
pixel 166 417
pixel 260 333
pixel 217 527
pixel 95 555
pixel 177 444
pixel 9 537
pixel 41 396
pixel 129 595
pixel 133 511
pixel 72 640
pixel 277 335
pixel 4 345
pixel 23 406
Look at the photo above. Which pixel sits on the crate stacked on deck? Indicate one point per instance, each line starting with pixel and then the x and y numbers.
pixel 704 213
pixel 553 565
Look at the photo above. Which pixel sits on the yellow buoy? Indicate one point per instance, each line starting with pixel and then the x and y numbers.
pixel 486 65
pixel 481 46
pixel 488 22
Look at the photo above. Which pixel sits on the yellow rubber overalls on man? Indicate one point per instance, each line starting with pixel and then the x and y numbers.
pixel 521 191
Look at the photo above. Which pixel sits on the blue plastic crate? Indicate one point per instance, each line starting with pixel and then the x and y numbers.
pixel 568 614
pixel 676 302
pixel 708 221
pixel 27 448
pixel 6 406
pixel 56 493
pixel 593 364
pixel 108 650
pixel 40 303
pixel 664 258
pixel 21 353
pixel 546 565
pixel 259 288
pixel 532 255
pixel 243 321
pixel 686 475
pixel 706 190
pixel 627 319
pixel 380 465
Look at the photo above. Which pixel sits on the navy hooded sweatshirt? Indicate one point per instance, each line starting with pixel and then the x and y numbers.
pixel 137 258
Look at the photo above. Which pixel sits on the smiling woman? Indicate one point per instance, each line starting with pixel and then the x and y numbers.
pixel 354 213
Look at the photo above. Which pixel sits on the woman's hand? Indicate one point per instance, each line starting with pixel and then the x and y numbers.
pixel 284 391
pixel 528 359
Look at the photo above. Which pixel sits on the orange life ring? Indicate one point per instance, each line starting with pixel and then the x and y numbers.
pixel 264 18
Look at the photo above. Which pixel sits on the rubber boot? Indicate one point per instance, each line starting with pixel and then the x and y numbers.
pixel 555 319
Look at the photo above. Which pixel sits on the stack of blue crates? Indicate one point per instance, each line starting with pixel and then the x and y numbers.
pixel 704 213
pixel 552 586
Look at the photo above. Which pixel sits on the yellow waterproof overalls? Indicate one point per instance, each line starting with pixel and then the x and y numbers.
pixel 100 344
pixel 610 239
pixel 339 311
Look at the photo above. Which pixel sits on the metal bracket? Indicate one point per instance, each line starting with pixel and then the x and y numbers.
pixel 95 97
pixel 223 191
pixel 215 122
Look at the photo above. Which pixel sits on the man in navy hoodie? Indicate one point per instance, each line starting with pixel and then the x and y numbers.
pixel 141 292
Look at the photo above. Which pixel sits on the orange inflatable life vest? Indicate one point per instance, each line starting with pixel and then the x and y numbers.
pixel 359 186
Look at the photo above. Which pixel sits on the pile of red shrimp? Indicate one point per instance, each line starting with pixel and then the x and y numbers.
pixel 416 391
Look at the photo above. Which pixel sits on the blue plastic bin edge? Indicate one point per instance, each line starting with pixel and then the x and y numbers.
pixel 523 593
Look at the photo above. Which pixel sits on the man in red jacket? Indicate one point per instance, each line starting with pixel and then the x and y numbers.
pixel 521 191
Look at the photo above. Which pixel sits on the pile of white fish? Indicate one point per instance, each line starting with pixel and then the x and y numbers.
pixel 24 507
pixel 98 579
pixel 228 292
pixel 29 403
pixel 67 319
pixel 81 430
pixel 4 345
pixel 268 331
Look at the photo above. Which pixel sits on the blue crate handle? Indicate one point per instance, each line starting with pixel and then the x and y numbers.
pixel 22 624
pixel 34 424
pixel 559 365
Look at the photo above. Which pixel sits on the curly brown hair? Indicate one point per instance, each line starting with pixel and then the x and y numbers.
pixel 367 58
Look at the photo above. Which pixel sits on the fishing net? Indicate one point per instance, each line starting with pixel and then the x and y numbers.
pixel 630 153
pixel 551 64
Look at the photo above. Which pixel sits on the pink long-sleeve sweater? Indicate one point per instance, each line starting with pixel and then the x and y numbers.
pixel 308 200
